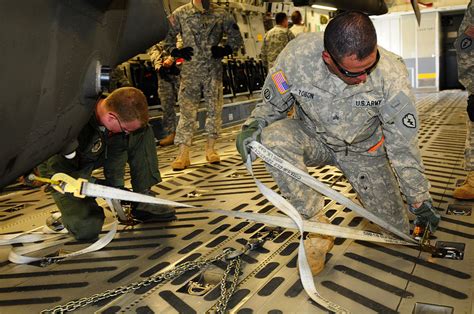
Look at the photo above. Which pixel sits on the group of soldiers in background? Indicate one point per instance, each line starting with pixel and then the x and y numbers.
pixel 204 68
pixel 276 38
pixel 188 62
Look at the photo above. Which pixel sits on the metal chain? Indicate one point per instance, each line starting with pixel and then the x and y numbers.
pixel 168 275
pixel 226 293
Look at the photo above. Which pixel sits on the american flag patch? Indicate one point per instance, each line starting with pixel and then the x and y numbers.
pixel 280 82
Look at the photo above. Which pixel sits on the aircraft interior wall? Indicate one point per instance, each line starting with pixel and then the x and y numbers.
pixel 427 49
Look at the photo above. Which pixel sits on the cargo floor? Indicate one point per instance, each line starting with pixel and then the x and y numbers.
pixel 363 277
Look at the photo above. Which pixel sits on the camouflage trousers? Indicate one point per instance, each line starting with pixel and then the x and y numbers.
pixel 370 174
pixel 207 79
pixel 469 149
pixel 168 92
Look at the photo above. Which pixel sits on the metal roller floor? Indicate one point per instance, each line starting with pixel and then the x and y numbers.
pixel 363 277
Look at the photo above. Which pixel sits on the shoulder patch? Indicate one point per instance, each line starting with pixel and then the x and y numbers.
pixel 466 43
pixel 267 94
pixel 409 121
pixel 280 82
pixel 96 146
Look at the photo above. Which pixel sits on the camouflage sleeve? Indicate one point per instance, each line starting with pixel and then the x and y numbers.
pixel 468 18
pixel 234 38
pixel 291 36
pixel 264 52
pixel 118 78
pixel 169 43
pixel 465 50
pixel 157 55
pixel 400 127
pixel 276 99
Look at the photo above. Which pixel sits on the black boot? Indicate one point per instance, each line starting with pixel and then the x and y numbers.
pixel 146 212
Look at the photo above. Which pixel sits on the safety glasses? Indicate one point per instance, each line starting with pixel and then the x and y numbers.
pixel 120 124
pixel 355 74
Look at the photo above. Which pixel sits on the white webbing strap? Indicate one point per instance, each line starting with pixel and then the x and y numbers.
pixel 33 235
pixel 106 192
pixel 315 227
pixel 51 238
pixel 18 254
pixel 303 266
pixel 270 158
pixel 282 204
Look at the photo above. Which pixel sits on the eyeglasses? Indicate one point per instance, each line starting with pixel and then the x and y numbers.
pixel 120 124
pixel 355 74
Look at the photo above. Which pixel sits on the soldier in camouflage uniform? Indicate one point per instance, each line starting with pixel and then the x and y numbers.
pixel 201 25
pixel 168 84
pixel 275 40
pixel 465 55
pixel 118 77
pixel 354 110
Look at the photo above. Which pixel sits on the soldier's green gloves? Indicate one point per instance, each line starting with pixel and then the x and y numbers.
pixel 426 215
pixel 186 53
pixel 248 134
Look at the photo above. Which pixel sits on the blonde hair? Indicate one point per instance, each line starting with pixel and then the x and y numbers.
pixel 129 103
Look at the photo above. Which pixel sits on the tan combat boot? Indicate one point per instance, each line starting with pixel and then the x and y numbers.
pixel 316 246
pixel 466 191
pixel 167 140
pixel 211 155
pixel 182 160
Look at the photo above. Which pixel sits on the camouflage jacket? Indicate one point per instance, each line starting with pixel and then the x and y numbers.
pixel 119 78
pixel 202 30
pixel 465 51
pixel 158 55
pixel 273 43
pixel 348 118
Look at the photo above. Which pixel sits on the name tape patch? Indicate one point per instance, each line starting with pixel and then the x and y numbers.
pixel 305 94
pixel 367 103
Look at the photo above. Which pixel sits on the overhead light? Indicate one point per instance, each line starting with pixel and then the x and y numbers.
pixel 323 7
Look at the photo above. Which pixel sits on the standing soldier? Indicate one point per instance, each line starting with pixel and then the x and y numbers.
pixel 298 25
pixel 201 26
pixel 354 110
pixel 275 40
pixel 119 78
pixel 168 83
pixel 465 56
